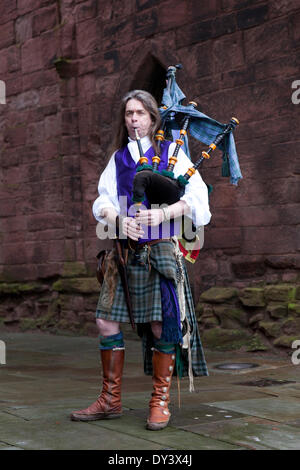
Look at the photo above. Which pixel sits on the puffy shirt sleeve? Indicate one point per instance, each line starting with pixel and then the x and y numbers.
pixel 196 192
pixel 107 189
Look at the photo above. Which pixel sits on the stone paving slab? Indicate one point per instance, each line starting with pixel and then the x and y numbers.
pixel 42 391
pixel 59 411
pixel 189 416
pixel 256 435
pixel 56 344
pixel 233 393
pixel 69 435
pixel 295 423
pixel 289 391
pixel 170 437
pixel 6 417
pixel 5 446
pixel 275 409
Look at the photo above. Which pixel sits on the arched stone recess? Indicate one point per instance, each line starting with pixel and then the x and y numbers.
pixel 146 69
pixel 150 76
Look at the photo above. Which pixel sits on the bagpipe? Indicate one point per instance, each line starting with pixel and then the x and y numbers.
pixel 161 187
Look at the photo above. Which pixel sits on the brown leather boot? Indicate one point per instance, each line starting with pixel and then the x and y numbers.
pixel 108 404
pixel 163 367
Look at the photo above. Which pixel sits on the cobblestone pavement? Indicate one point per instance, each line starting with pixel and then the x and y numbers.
pixel 46 377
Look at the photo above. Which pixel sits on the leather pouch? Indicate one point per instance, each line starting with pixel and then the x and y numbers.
pixel 101 265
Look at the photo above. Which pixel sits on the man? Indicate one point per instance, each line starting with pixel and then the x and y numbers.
pixel 153 283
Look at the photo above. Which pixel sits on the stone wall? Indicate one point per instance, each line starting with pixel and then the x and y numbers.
pixel 262 318
pixel 66 63
pixel 253 318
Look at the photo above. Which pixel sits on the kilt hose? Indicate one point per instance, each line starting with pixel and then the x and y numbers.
pixel 145 292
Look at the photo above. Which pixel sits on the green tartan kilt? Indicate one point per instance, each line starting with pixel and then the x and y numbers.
pixel 144 288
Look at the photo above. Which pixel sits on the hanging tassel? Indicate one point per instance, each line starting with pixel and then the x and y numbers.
pixel 180 287
pixel 225 165
pixel 191 376
pixel 209 188
pixel 179 370
pixel 179 363
pixel 178 389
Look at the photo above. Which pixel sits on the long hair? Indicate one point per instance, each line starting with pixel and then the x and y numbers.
pixel 150 104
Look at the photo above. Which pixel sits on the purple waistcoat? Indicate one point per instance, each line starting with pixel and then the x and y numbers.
pixel 125 172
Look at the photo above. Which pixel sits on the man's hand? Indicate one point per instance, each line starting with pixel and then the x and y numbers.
pixel 131 228
pixel 151 217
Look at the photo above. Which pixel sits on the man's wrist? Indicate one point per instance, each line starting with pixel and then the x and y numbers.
pixel 166 214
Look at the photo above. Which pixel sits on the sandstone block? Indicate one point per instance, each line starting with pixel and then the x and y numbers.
pixel 171 14
pixel 21 288
pixel 40 52
pixel 269 240
pixel 236 315
pixel 235 78
pixel 209 322
pixel 257 344
pixel 86 10
pixel 277 310
pixel 45 19
pixel 8 10
pixel 23 27
pixel 74 269
pixel 80 285
pixel 281 261
pixel 255 319
pixel 252 16
pixel 67 32
pixel 295 26
pixel 271 329
pixel 208 9
pixel 290 277
pixel 252 297
pixel 282 7
pixel 144 4
pixel 32 58
pixel 223 59
pixel 70 145
pixel 218 294
pixel 280 292
pixel 7 35
pixel 45 221
pixel 146 23
pixel 225 24
pixel 223 340
pixel 285 341
pixel 274 36
pixel 17 272
pixel 117 33
pixel 25 6
pixel 247 269
pixel 87 37
pixel 194 33
pixel 291 326
pixel 224 238
pixel 49 270
pixel 199 309
pixel 294 309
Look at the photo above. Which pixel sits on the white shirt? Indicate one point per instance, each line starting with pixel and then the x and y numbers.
pixel 196 194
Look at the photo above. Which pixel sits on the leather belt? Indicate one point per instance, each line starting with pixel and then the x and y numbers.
pixel 134 245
